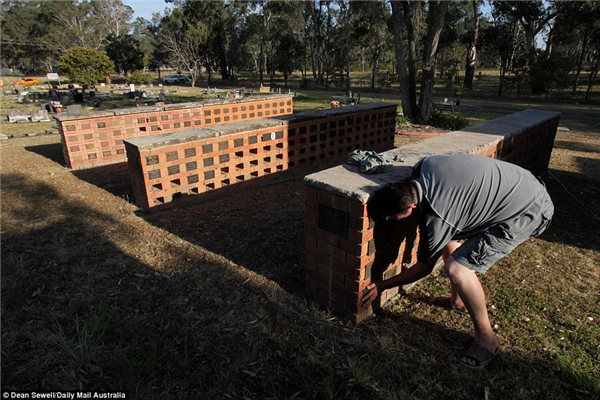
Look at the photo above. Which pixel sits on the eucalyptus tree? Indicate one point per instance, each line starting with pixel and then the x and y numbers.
pixel 404 28
pixel 112 16
pixel 578 40
pixel 470 40
pixel 185 42
pixel 125 52
pixel 29 35
pixel 373 33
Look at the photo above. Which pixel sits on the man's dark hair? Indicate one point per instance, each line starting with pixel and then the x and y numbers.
pixel 392 198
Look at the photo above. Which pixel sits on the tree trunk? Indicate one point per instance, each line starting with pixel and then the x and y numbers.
pixel 408 106
pixel 348 63
pixel 373 72
pixel 261 56
pixel 472 49
pixel 581 57
pixel 593 76
pixel 435 24
pixel 502 72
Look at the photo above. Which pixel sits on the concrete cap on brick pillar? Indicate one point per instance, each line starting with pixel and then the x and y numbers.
pixel 347 181
pixel 93 114
pixel 138 110
pixel 190 135
pixel 334 112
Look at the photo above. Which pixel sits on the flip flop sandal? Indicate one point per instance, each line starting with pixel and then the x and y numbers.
pixel 480 355
pixel 443 302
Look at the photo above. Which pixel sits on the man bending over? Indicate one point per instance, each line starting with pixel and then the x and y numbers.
pixel 472 211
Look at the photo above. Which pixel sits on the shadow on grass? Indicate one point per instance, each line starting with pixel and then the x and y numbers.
pixel 261 229
pixel 568 190
pixel 577 146
pixel 113 178
pixel 51 151
pixel 94 301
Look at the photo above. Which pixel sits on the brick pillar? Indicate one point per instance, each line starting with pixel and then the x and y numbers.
pixel 346 251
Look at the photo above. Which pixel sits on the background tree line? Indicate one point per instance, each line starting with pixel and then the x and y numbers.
pixel 384 42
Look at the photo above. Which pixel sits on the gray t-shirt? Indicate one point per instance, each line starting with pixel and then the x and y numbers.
pixel 463 195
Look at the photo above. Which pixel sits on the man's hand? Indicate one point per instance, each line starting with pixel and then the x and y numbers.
pixel 372 294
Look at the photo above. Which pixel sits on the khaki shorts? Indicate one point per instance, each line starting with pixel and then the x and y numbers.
pixel 480 252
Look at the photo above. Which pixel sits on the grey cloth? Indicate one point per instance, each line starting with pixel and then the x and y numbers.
pixel 467 196
pixel 371 162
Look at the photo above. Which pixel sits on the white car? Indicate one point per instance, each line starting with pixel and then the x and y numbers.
pixel 174 79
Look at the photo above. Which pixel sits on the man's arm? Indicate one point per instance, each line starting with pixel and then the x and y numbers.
pixel 409 275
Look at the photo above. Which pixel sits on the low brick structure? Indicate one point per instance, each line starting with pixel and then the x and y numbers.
pixel 184 167
pixel 346 251
pixel 96 138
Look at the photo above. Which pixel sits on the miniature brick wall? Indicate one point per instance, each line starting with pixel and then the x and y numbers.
pixel 96 138
pixel 346 250
pixel 190 166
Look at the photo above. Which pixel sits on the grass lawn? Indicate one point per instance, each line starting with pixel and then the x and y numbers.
pixel 206 302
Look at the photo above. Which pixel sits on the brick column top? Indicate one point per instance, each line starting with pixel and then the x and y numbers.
pixel 190 135
pixel 167 107
pixel 347 181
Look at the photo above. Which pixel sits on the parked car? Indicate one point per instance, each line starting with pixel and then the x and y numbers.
pixel 27 82
pixel 174 79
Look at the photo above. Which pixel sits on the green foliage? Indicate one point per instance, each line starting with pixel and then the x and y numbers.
pixel 401 119
pixel 551 72
pixel 85 65
pixel 447 121
pixel 125 52
pixel 140 77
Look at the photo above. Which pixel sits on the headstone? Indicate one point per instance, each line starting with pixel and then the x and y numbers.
pixel 161 96
pixel 75 109
pixel 17 116
pixel 132 87
pixel 39 116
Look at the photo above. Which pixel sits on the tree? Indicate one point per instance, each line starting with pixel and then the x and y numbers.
pixel 471 45
pixel 29 34
pixel 85 65
pixel 113 16
pixel 186 42
pixel 372 32
pixel 125 52
pixel 402 13
pixel 78 27
pixel 288 56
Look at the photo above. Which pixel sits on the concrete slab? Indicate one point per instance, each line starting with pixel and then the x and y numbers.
pixel 190 135
pixel 346 180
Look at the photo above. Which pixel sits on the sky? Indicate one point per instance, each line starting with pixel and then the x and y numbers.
pixel 145 8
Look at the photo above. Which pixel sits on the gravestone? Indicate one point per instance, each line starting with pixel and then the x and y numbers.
pixel 78 97
pixel 75 109
pixel 39 116
pixel 17 116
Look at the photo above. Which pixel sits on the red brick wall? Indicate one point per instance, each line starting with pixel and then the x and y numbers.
pixel 191 170
pixel 346 250
pixel 97 139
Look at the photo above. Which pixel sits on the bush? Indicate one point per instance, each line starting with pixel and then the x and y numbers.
pixel 444 120
pixel 401 119
pixel 85 65
pixel 140 77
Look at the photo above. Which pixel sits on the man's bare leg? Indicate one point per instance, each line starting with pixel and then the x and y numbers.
pixel 455 300
pixel 470 291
